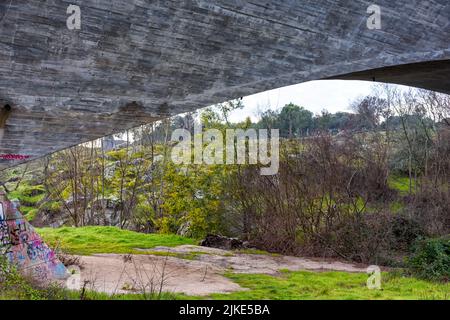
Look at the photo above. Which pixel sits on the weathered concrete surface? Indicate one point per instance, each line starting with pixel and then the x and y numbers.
pixel 434 75
pixel 139 60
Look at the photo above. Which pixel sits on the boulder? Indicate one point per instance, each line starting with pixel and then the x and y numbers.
pixel 221 242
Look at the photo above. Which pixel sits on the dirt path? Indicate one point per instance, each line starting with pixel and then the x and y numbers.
pixel 201 275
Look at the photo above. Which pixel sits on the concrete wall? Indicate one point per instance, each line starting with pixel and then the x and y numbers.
pixel 136 61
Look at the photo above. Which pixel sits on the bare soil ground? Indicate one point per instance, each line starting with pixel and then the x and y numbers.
pixel 200 276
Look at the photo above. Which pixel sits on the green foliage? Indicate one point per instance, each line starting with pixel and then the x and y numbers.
pixel 294 121
pixel 401 184
pixel 52 206
pixel 431 259
pixel 13 286
pixel 31 214
pixel 16 286
pixel 218 115
pixel 192 198
pixel 91 240
pixel 304 285
pixel 30 198
pixel 28 195
pixel 92 295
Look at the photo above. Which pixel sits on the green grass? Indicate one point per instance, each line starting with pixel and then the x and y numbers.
pixel 91 295
pixel 91 240
pixel 401 184
pixel 57 293
pixel 304 285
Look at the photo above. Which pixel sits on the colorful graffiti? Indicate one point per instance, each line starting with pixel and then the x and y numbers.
pixel 24 248
pixel 14 157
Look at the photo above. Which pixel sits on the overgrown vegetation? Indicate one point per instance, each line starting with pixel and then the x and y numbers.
pixel 304 285
pixel 13 285
pixel 287 285
pixel 370 186
pixel 431 259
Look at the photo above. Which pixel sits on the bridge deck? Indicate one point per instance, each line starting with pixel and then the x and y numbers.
pixel 135 61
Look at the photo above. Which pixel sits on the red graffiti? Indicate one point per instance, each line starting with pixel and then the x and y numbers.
pixel 14 157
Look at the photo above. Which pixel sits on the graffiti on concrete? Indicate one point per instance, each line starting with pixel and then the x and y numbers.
pixel 4 234
pixel 14 157
pixel 23 247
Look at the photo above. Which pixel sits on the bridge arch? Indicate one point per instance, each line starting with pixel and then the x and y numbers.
pixel 133 62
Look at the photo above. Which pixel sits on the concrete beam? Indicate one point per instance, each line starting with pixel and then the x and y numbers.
pixel 136 61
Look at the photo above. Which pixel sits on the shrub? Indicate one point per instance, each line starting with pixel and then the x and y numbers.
pixel 431 259
pixel 13 285
pixel 406 229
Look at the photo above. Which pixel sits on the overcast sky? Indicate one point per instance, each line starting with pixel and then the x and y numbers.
pixel 332 95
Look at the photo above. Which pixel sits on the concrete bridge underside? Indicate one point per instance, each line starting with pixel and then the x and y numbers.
pixel 136 61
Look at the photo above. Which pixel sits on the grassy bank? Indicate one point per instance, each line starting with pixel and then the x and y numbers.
pixel 91 240
pixel 304 285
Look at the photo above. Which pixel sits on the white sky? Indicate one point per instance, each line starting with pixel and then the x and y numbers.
pixel 315 96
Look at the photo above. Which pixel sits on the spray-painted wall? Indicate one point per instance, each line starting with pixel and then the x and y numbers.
pixel 23 247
